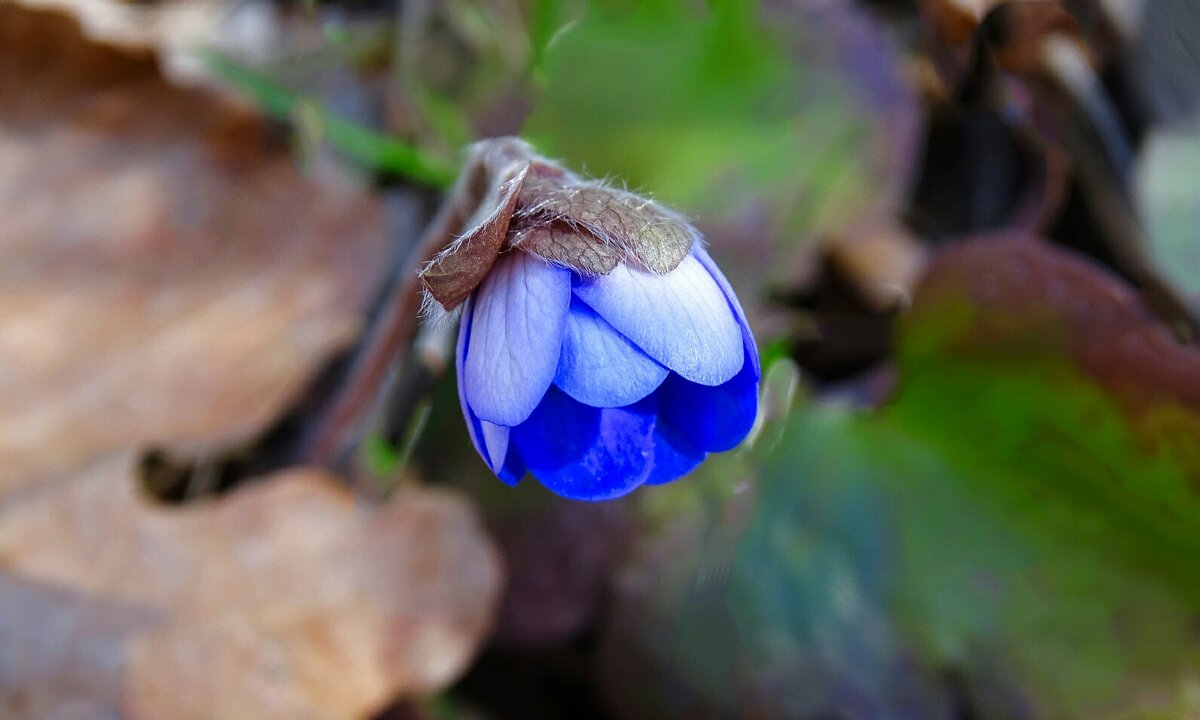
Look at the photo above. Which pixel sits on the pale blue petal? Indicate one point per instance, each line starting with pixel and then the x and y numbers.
pixel 714 419
pixel 748 339
pixel 601 367
pixel 680 319
pixel 495 441
pixel 516 333
pixel 587 453
pixel 491 441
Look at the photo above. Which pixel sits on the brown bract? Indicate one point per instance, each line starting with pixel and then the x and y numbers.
pixel 509 198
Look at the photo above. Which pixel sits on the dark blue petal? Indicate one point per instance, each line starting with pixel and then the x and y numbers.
pixel 681 319
pixel 601 367
pixel 516 330
pixel 747 339
pixel 587 453
pixel 710 418
pixel 514 467
pixel 673 457
pixel 558 432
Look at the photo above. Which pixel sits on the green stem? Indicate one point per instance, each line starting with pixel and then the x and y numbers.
pixel 376 151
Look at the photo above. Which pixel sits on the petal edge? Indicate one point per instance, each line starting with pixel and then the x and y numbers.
pixel 599 366
pixel 681 319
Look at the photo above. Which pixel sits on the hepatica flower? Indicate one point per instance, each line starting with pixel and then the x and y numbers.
pixel 600 348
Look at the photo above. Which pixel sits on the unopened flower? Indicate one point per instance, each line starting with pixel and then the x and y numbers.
pixel 600 348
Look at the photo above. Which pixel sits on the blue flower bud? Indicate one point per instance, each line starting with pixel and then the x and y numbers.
pixel 600 347
pixel 596 384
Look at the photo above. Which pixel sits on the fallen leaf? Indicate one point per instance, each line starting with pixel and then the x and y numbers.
pixel 175 31
pixel 169 274
pixel 955 20
pixel 281 600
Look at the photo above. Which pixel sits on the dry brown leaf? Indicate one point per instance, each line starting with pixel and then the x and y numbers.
pixel 1014 34
pixel 178 31
pixel 167 274
pixel 282 600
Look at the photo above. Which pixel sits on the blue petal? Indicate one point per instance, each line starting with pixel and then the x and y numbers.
pixel 514 467
pixel 516 333
pixel 680 319
pixel 710 418
pixel 558 432
pixel 748 339
pixel 599 366
pixel 495 442
pixel 587 453
pixel 673 457
pixel 491 441
pixel 474 428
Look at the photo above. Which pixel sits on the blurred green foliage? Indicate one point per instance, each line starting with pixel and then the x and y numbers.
pixel 716 112
pixel 316 124
pixel 708 109
pixel 1009 530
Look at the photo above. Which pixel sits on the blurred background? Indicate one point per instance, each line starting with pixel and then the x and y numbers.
pixel 966 234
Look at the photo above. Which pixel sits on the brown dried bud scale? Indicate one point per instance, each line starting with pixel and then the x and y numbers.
pixel 508 198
